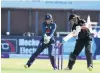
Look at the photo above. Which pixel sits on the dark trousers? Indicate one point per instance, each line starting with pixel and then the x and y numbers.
pixel 80 44
pixel 40 48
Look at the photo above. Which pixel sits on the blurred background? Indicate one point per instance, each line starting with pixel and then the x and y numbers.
pixel 21 32
pixel 20 16
pixel 21 25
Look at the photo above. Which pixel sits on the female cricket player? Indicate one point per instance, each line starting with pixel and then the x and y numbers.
pixel 84 40
pixel 47 41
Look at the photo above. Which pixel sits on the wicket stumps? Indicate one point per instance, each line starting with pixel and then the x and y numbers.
pixel 59 55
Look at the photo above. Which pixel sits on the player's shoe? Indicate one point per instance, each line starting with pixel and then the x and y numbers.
pixel 55 68
pixel 25 66
pixel 67 68
pixel 90 68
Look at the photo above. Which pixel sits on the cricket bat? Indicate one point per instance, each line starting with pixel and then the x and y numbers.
pixel 69 36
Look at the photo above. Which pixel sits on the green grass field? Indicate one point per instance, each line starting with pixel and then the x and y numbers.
pixel 44 66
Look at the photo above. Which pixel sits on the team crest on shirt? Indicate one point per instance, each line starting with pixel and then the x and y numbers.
pixel 48 28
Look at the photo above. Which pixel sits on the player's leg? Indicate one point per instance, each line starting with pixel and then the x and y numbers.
pixel 88 54
pixel 40 48
pixel 51 56
pixel 72 58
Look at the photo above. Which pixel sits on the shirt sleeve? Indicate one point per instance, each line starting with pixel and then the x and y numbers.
pixel 53 30
pixel 73 27
pixel 43 29
pixel 78 29
pixel 82 22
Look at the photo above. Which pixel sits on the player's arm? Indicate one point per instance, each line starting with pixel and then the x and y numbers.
pixel 74 33
pixel 43 29
pixel 52 33
pixel 47 38
pixel 46 41
pixel 86 25
pixel 53 30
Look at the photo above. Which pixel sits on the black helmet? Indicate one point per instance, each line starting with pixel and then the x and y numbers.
pixel 73 16
pixel 48 17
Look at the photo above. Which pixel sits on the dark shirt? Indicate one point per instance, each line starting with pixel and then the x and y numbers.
pixel 48 29
pixel 84 34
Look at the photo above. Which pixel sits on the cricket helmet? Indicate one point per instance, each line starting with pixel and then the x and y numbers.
pixel 72 16
pixel 48 17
